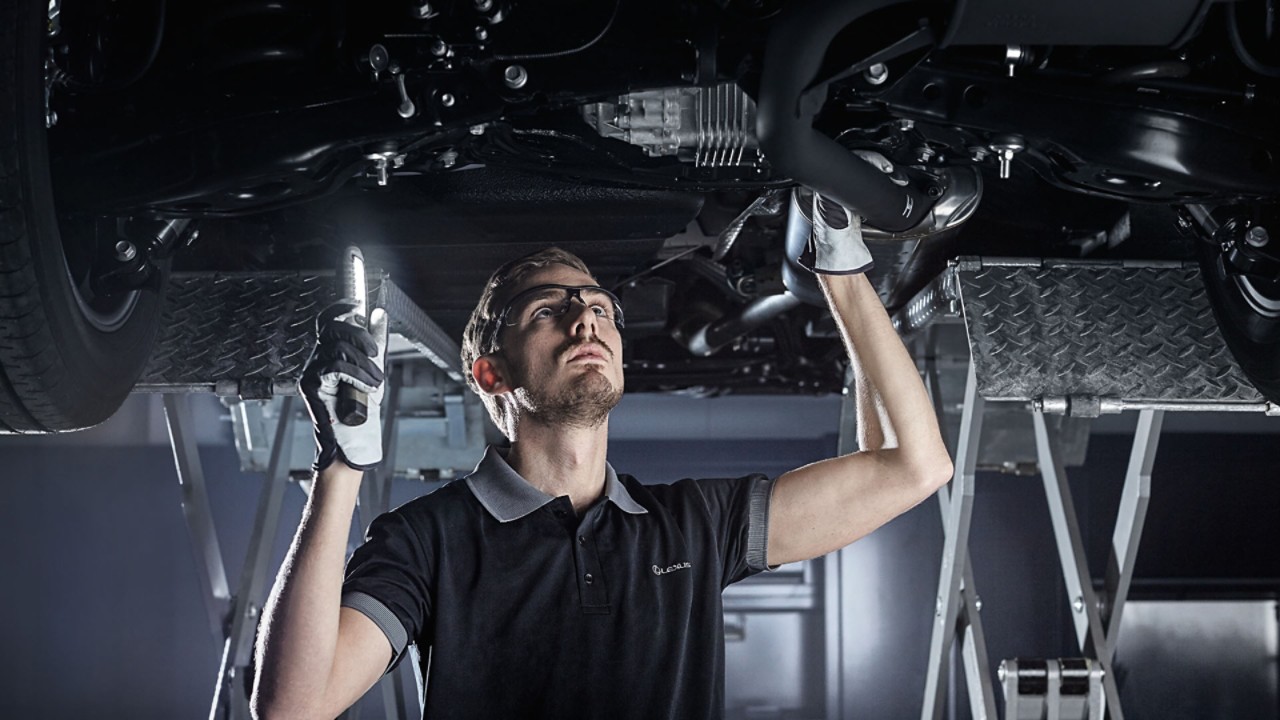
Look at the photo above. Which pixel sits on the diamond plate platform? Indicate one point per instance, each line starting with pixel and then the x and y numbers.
pixel 1096 336
pixel 250 333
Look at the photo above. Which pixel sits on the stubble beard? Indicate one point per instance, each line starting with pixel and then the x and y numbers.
pixel 585 403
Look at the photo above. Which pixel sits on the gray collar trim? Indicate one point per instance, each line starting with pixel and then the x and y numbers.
pixel 507 496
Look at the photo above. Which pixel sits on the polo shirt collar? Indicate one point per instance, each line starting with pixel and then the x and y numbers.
pixel 507 496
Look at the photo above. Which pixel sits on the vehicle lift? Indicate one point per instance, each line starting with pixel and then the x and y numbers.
pixel 1072 338
pixel 1059 338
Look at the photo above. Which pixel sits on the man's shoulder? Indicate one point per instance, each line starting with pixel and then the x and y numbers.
pixel 454 497
pixel 675 494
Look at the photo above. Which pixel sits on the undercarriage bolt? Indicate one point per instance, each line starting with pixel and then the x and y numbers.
pixel 1006 146
pixel 515 76
pixel 477 129
pixel 439 48
pixel 877 74
pixel 1078 604
pixel 447 100
pixel 422 10
pixel 1257 236
pixel 125 251
pixel 380 168
pixel 481 34
pixel 484 5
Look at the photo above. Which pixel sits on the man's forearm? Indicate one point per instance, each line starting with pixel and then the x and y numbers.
pixel 299 632
pixel 875 432
pixel 887 376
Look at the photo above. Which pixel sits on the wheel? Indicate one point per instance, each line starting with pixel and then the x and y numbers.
pixel 1247 308
pixel 68 357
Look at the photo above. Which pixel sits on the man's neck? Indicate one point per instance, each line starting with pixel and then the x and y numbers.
pixel 562 460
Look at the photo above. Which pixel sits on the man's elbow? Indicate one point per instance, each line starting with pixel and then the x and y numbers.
pixel 933 472
pixel 264 705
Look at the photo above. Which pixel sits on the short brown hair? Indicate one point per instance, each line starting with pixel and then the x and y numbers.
pixel 481 334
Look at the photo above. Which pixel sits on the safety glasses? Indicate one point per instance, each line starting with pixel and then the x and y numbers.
pixel 551 302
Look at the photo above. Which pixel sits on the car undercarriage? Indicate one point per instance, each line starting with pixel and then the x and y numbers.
pixel 667 146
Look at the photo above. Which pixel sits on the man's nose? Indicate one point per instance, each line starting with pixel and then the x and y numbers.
pixel 583 319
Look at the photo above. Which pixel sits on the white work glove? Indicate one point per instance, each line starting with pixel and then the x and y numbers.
pixel 346 353
pixel 835 244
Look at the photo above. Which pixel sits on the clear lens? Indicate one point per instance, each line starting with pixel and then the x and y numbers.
pixel 553 301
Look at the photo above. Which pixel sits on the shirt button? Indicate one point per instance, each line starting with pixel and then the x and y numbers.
pixel 582 539
pixel 589 578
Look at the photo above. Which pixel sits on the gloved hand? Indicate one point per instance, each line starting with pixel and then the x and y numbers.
pixel 346 352
pixel 835 245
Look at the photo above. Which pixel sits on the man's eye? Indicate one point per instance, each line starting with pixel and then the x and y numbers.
pixel 600 311
pixel 545 311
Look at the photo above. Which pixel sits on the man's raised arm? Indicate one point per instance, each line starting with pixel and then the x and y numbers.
pixel 826 505
pixel 315 658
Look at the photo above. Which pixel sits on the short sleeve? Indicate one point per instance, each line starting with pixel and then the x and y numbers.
pixel 739 510
pixel 388 580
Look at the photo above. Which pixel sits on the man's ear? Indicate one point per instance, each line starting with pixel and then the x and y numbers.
pixel 490 375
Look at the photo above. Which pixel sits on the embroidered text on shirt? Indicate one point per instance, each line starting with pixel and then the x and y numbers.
pixel 671 568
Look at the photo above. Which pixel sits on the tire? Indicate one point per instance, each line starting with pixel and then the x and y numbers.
pixel 1252 337
pixel 65 363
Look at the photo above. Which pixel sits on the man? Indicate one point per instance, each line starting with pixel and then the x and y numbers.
pixel 546 585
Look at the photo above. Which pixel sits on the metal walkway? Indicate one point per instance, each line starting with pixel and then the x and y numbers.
pixel 249 334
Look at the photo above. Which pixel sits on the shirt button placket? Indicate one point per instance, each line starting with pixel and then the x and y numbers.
pixel 594 595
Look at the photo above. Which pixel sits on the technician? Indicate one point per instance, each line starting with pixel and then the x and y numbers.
pixel 545 584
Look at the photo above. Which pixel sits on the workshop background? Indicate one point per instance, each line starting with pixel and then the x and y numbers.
pixel 103 615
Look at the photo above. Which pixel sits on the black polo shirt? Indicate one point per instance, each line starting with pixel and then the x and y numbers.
pixel 531 611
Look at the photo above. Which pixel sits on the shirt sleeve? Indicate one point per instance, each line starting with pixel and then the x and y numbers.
pixel 739 511
pixel 389 580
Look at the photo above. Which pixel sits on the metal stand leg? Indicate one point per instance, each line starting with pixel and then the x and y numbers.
pixel 1087 611
pixel 195 508
pixel 1129 521
pixel 240 621
pixel 833 606
pixel 958 504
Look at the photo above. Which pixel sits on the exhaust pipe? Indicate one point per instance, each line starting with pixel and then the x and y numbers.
pixel 787 107
pixel 711 337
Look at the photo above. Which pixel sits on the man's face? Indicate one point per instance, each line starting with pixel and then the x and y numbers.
pixel 565 369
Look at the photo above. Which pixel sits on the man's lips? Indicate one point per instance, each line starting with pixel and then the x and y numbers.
pixel 589 352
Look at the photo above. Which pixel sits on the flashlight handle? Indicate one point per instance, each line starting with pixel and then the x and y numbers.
pixel 353 404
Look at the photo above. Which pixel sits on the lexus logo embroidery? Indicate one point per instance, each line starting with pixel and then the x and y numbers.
pixel 670 568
